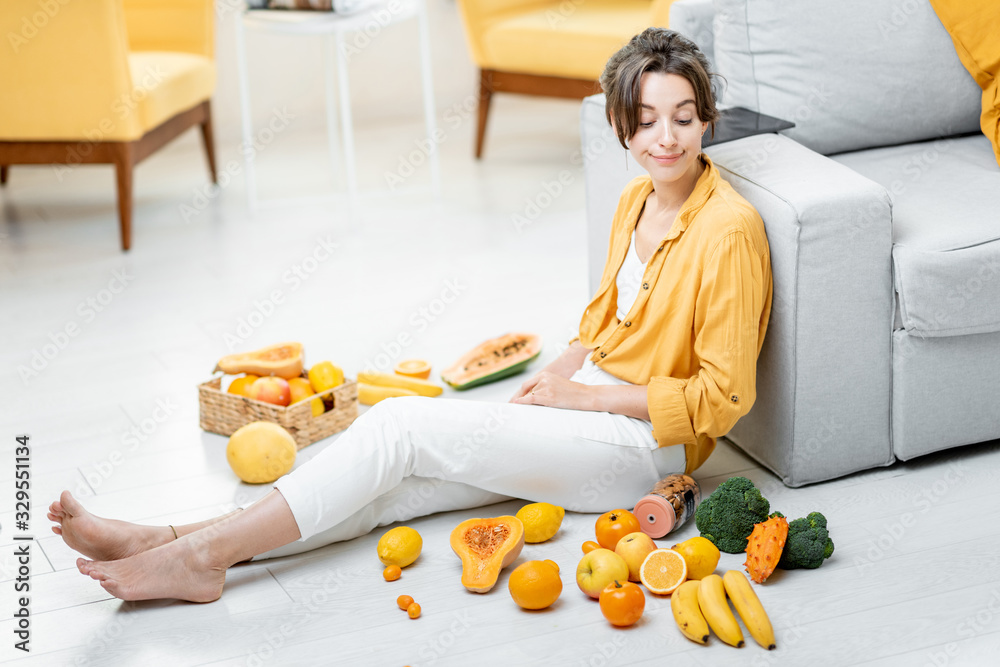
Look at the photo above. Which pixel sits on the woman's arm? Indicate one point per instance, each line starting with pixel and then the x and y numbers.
pixel 567 363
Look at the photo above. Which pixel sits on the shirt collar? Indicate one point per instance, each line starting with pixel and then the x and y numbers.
pixel 703 190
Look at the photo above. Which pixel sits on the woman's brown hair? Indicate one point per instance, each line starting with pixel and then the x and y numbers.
pixel 654 50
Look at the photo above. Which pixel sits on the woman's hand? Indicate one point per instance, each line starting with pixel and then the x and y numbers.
pixel 548 388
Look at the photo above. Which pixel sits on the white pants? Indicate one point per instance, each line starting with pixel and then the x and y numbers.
pixel 413 456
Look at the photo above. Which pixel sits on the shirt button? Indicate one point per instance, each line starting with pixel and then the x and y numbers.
pixel 734 398
pixel 645 286
pixel 602 355
pixel 628 324
pixel 659 249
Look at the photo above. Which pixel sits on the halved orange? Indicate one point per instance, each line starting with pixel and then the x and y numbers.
pixel 662 571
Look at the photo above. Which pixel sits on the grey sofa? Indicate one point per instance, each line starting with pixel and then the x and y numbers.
pixel 882 210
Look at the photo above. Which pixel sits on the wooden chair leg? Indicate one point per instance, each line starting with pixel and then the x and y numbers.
pixel 124 164
pixel 3 174
pixel 208 140
pixel 485 96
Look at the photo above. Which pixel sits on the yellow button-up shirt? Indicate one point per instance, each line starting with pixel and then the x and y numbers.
pixel 695 330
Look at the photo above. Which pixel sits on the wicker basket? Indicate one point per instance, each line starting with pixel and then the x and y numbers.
pixel 224 413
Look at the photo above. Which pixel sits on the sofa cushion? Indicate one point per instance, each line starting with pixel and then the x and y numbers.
pixel 946 232
pixel 567 39
pixel 164 83
pixel 851 74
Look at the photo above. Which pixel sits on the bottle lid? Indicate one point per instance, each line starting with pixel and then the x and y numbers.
pixel 656 516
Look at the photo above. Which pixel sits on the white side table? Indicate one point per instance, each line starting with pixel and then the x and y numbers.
pixel 334 28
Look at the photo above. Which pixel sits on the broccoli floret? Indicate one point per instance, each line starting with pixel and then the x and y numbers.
pixel 808 543
pixel 727 517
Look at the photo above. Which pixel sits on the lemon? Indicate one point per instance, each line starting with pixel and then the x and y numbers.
pixel 700 555
pixel 325 375
pixel 399 546
pixel 541 521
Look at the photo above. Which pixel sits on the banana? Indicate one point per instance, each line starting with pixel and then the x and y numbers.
pixel 687 613
pixel 712 600
pixel 749 607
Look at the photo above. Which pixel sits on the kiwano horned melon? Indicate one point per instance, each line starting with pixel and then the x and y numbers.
pixel 486 546
pixel 283 360
pixel 493 360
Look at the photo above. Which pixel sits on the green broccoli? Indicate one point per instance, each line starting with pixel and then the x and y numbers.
pixel 727 517
pixel 808 543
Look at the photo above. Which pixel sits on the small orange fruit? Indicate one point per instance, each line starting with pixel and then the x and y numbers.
pixel 301 390
pixel 404 601
pixel 622 603
pixel 590 546
pixel 614 525
pixel 239 386
pixel 663 571
pixel 392 573
pixel 535 584
pixel 413 610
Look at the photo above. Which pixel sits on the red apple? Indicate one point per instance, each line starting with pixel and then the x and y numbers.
pixel 271 389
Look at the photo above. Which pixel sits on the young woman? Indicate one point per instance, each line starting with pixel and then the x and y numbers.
pixel 665 362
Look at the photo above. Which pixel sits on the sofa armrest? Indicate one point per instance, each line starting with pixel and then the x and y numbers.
pixel 693 19
pixel 171 25
pixel 824 373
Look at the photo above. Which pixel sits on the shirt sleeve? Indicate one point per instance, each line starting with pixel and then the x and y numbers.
pixel 727 325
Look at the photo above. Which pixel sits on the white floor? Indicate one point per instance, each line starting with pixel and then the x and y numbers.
pixel 103 351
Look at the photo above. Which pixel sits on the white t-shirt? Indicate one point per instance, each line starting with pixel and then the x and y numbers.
pixel 628 281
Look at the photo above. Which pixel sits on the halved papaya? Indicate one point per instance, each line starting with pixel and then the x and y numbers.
pixel 493 360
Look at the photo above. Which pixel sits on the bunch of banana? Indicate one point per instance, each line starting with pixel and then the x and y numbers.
pixel 699 605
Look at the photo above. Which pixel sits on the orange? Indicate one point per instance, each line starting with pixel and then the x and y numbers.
pixel 404 601
pixel 239 386
pixel 622 603
pixel 663 571
pixel 414 368
pixel 535 584
pixel 413 611
pixel 590 546
pixel 614 525
pixel 301 390
pixel 392 573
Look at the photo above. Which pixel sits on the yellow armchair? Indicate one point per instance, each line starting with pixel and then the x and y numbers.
pixel 104 82
pixel 556 48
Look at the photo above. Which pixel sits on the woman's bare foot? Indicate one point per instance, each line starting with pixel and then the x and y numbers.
pixel 181 570
pixel 102 539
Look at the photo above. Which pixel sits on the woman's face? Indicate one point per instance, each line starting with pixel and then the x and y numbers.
pixel 668 140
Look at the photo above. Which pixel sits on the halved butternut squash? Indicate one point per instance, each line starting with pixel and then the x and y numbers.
pixel 283 360
pixel 486 546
